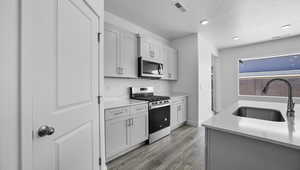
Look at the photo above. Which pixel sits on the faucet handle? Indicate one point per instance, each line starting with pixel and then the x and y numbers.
pixel 293 105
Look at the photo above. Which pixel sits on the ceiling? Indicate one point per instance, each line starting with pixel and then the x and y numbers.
pixel 252 20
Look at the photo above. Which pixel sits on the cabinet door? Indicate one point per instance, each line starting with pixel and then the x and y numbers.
pixel 174 115
pixel 111 51
pixel 139 128
pixel 117 136
pixel 179 108
pixel 145 48
pixel 156 50
pixel 129 60
pixel 165 63
pixel 184 109
pixel 172 64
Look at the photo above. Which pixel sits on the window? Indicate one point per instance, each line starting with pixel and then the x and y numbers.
pixel 255 73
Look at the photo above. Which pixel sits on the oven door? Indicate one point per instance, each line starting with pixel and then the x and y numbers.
pixel 159 118
pixel 150 68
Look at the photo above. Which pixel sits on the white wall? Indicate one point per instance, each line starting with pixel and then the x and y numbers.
pixel 9 122
pixel 229 67
pixel 117 87
pixel 188 73
pixel 195 75
pixel 205 51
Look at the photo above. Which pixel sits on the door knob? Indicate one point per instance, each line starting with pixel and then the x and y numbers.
pixel 45 131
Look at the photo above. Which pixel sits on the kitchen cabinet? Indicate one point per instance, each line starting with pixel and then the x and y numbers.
pixel 125 128
pixel 139 128
pixel 117 135
pixel 120 52
pixel 149 49
pixel 178 111
pixel 111 52
pixel 170 61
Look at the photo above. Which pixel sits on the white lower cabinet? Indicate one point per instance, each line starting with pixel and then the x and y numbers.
pixel 139 128
pixel 117 135
pixel 178 111
pixel 125 128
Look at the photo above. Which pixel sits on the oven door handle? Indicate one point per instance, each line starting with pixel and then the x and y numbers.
pixel 158 106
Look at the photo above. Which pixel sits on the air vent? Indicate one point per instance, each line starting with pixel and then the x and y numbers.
pixel 180 6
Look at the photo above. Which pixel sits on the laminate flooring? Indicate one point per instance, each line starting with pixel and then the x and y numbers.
pixel 182 150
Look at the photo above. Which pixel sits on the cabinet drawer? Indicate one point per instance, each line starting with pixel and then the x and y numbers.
pixel 139 108
pixel 179 99
pixel 115 113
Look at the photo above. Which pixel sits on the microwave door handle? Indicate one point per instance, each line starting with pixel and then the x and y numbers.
pixel 161 68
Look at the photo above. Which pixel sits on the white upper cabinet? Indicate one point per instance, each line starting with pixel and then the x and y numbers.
pixel 149 49
pixel 170 61
pixel 111 51
pixel 129 60
pixel 120 49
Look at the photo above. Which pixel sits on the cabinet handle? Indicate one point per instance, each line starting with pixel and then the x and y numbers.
pixel 178 108
pixel 128 122
pixel 118 113
pixel 140 109
pixel 131 122
pixel 152 54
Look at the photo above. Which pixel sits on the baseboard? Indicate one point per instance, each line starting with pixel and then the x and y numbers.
pixel 177 126
pixel 192 123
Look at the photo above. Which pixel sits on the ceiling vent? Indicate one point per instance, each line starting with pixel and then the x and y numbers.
pixel 179 5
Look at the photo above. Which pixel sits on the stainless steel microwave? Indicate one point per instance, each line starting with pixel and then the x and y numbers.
pixel 149 69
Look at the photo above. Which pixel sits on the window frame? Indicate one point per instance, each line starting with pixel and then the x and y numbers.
pixel 258 97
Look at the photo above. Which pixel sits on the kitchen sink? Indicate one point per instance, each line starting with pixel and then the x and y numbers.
pixel 259 113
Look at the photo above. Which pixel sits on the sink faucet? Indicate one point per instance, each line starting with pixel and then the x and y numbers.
pixel 290 106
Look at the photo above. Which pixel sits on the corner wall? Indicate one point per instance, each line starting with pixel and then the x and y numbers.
pixel 188 73
pixel 194 70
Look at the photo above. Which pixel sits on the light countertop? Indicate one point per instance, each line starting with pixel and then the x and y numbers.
pixel 177 94
pixel 109 104
pixel 283 133
pixel 121 102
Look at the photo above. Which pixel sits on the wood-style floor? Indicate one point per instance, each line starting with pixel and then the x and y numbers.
pixel 182 150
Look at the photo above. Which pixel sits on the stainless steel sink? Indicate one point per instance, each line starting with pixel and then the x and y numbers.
pixel 259 113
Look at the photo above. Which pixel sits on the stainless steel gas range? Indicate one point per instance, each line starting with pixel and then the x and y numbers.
pixel 159 112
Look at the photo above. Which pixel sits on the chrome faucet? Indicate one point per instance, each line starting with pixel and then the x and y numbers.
pixel 290 106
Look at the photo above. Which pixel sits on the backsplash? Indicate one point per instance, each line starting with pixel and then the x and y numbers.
pixel 119 88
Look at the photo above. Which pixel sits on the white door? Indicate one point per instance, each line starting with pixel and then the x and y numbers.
pixel 139 128
pixel 117 135
pixel 65 66
pixel 112 51
pixel 129 59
